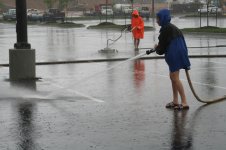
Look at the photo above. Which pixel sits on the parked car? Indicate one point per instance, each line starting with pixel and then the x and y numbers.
pixel 127 10
pixel 10 14
pixel 145 12
pixel 106 10
pixel 211 9
pixel 34 15
pixel 54 14
pixel 122 9
pixel 89 12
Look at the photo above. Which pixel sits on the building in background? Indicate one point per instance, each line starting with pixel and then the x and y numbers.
pixel 223 3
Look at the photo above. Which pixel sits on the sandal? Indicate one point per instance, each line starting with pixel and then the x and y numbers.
pixel 171 105
pixel 181 107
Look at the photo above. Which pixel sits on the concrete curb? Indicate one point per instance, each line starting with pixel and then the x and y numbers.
pixel 113 59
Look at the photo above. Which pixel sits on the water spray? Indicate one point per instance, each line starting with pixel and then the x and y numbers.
pixel 97 73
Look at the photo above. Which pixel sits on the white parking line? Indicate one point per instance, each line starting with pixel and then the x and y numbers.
pixel 193 68
pixel 87 96
pixel 194 82
pixel 75 92
pixel 215 62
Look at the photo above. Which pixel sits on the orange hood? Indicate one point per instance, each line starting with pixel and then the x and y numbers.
pixel 135 13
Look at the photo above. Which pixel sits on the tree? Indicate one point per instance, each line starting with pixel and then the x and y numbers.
pixel 63 4
pixel 1 5
pixel 221 3
pixel 49 3
pixel 132 2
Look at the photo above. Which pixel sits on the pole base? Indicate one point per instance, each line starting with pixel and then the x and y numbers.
pixel 108 50
pixel 22 45
pixel 22 64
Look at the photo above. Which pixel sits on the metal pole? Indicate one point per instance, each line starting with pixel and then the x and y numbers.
pixel 22 57
pixel 200 18
pixel 106 11
pixel 216 12
pixel 153 8
pixel 207 15
pixel 216 16
pixel 21 25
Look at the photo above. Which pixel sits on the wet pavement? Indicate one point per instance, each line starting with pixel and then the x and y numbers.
pixel 59 44
pixel 88 106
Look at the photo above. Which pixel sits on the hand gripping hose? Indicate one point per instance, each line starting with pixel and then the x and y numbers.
pixel 197 97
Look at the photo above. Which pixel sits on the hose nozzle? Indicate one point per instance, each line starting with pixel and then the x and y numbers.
pixel 150 51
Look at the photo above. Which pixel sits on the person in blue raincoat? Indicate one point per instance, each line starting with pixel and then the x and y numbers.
pixel 172 44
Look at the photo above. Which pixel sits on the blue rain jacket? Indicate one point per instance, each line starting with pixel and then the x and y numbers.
pixel 172 43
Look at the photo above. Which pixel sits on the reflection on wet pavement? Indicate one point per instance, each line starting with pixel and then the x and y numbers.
pixel 180 134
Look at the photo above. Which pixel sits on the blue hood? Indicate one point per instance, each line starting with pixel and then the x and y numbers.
pixel 164 16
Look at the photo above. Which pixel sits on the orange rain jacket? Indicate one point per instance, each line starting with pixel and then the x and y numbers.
pixel 138 23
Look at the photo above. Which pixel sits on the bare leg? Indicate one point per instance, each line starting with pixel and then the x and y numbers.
pixel 178 87
pixel 175 93
pixel 136 43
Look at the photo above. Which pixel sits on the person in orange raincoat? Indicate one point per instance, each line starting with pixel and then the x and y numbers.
pixel 137 25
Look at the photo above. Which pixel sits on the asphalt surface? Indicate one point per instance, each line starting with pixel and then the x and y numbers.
pixel 112 105
pixel 88 106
